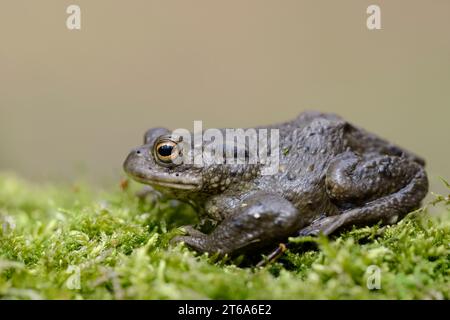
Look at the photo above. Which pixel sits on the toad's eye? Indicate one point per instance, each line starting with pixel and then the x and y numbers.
pixel 167 152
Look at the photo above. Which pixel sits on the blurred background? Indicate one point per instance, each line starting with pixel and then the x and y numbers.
pixel 73 103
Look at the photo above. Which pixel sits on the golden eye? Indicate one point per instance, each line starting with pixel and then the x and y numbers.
pixel 166 151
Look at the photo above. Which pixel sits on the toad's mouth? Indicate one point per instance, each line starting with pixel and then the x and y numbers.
pixel 137 168
pixel 167 182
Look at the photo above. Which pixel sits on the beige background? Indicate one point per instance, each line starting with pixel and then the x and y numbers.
pixel 74 102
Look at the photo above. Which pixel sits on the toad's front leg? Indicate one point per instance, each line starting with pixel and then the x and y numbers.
pixel 262 219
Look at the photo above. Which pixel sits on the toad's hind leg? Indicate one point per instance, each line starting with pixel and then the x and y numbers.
pixel 263 218
pixel 374 189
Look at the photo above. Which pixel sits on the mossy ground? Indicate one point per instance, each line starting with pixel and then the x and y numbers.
pixel 119 247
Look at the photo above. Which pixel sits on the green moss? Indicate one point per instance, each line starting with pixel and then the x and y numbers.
pixel 119 247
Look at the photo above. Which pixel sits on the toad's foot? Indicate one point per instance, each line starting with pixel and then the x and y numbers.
pixel 262 219
pixel 148 193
